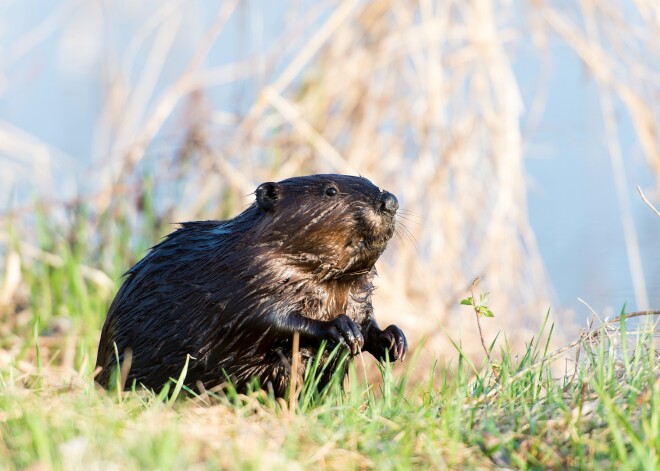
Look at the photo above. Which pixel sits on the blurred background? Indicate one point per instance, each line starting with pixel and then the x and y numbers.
pixel 514 134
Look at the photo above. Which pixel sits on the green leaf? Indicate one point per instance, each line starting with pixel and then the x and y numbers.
pixel 467 301
pixel 179 382
pixel 486 312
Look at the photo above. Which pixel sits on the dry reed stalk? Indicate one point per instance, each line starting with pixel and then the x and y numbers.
pixel 125 369
pixel 185 84
pixel 646 201
pixel 295 366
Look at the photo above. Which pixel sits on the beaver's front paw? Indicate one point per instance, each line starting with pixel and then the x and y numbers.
pixel 343 330
pixel 393 344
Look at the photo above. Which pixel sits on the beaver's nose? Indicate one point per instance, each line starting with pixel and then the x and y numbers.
pixel 388 203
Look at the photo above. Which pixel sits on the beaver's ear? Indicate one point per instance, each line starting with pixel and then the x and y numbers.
pixel 267 195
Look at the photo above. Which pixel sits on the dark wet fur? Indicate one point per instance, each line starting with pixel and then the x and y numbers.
pixel 231 293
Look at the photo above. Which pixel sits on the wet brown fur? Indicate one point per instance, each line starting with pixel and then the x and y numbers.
pixel 231 293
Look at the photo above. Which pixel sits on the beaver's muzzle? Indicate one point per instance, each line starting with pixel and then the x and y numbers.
pixel 388 203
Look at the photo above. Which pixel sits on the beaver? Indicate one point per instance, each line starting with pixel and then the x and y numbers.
pixel 232 293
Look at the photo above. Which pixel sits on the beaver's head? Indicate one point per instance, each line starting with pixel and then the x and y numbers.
pixel 332 225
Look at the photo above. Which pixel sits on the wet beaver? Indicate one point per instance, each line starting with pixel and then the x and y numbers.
pixel 232 293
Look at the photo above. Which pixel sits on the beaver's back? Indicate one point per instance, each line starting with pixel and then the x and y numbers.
pixel 169 303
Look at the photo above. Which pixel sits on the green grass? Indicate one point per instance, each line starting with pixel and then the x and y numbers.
pixel 607 416
pixel 520 414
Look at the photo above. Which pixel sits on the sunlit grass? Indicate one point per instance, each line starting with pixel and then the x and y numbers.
pixel 605 413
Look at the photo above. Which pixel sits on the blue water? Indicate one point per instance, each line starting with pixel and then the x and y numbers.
pixel 573 204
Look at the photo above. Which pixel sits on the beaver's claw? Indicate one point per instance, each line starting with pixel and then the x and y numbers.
pixel 343 330
pixel 394 342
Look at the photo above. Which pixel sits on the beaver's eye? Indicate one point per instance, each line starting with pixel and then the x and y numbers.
pixel 331 191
